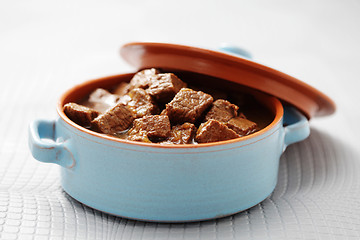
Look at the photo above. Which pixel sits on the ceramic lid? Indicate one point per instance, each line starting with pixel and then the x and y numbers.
pixel 232 68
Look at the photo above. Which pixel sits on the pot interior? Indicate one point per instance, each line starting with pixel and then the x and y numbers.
pixel 264 109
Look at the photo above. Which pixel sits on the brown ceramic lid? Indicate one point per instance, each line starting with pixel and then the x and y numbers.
pixel 232 68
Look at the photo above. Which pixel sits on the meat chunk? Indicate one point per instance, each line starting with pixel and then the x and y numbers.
pixel 121 89
pixel 241 125
pixel 222 111
pixel 80 114
pixel 164 86
pixel 188 105
pixel 182 134
pixel 153 127
pixel 213 131
pixel 141 103
pixel 142 79
pixel 114 120
pixel 101 100
pixel 163 112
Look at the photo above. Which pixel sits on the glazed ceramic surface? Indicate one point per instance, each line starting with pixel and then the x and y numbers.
pixel 164 182
pixel 226 64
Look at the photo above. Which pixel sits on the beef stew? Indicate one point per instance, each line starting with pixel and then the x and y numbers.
pixel 161 107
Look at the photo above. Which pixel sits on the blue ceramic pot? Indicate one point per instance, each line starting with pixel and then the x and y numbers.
pixel 166 183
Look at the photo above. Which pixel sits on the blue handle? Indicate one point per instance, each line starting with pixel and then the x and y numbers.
pixel 45 148
pixel 296 126
pixel 239 52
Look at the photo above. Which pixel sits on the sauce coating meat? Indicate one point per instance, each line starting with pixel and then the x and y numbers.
pixel 214 131
pixel 188 105
pixel 222 111
pixel 80 114
pixel 150 128
pixel 182 134
pixel 157 107
pixel 117 118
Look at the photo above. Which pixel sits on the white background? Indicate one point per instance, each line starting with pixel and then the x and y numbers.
pixel 48 46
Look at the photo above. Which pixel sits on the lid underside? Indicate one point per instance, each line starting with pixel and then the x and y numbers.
pixel 229 67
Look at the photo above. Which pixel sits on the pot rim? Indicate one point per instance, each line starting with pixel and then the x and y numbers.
pixel 273 101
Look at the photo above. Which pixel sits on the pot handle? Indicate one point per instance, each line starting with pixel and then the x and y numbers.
pixel 296 126
pixel 232 49
pixel 45 148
